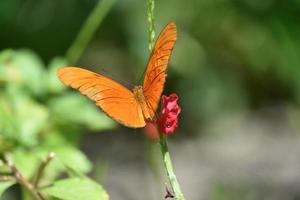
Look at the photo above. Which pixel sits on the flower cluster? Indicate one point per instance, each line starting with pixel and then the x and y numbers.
pixel 167 121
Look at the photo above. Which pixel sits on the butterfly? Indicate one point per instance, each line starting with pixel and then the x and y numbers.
pixel 132 108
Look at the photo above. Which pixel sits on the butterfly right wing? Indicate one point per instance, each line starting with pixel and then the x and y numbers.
pixel 156 72
pixel 114 99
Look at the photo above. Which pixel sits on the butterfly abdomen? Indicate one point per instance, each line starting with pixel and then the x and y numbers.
pixel 138 94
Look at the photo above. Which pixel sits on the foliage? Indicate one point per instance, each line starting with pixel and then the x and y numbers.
pixel 5 185
pixel 231 56
pixel 39 116
pixel 76 189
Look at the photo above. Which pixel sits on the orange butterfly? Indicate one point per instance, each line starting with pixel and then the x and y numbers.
pixel 130 108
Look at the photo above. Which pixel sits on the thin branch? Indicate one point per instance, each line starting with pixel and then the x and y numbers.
pixel 41 169
pixel 88 30
pixel 22 181
pixel 7 178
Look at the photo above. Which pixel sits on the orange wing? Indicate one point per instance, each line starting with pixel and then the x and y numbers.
pixel 155 75
pixel 114 99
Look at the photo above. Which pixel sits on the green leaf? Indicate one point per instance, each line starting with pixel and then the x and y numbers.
pixel 31 117
pixel 5 185
pixel 8 124
pixel 76 189
pixel 26 161
pixel 73 158
pixel 6 55
pixel 31 68
pixel 24 69
pixel 7 73
pixel 54 85
pixel 67 158
pixel 74 108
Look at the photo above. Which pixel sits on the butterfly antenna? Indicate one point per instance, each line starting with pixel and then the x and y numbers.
pixel 141 77
pixel 114 77
pixel 144 72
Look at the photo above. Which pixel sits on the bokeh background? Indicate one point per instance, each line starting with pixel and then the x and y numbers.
pixel 235 67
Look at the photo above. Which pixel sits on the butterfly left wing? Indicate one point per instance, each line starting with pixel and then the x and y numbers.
pixel 155 75
pixel 114 99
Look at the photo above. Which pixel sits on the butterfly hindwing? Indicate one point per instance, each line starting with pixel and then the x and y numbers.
pixel 155 75
pixel 114 99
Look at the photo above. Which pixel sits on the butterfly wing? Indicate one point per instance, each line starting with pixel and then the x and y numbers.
pixel 155 75
pixel 114 99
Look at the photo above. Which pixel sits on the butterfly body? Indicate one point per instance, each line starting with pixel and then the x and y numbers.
pixel 130 108
pixel 140 98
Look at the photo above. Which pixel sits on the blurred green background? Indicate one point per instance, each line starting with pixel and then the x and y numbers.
pixel 235 67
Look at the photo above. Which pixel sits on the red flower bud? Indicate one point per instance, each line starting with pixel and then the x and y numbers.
pixel 167 121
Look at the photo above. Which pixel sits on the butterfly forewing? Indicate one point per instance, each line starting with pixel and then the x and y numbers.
pixel 155 75
pixel 114 99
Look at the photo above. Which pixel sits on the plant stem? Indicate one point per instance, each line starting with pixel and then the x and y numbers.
pixel 162 139
pixel 169 167
pixel 25 183
pixel 7 178
pixel 88 30
pixel 151 27
pixel 42 168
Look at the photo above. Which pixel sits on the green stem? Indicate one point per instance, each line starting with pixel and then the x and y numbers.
pixel 151 28
pixel 153 158
pixel 168 165
pixel 42 168
pixel 88 30
pixel 162 139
